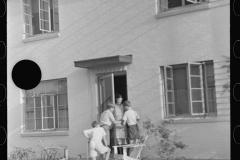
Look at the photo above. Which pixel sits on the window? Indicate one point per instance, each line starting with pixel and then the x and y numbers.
pixel 40 16
pixel 189 89
pixel 46 106
pixel 165 5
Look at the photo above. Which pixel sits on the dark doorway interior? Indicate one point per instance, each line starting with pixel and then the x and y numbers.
pixel 120 85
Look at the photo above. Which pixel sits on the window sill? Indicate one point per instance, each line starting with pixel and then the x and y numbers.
pixel 198 7
pixel 41 37
pixel 45 134
pixel 197 119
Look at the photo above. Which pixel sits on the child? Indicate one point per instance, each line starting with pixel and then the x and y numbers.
pixel 96 135
pixel 131 118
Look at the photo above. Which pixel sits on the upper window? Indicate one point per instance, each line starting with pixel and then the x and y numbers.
pixel 46 106
pixel 189 89
pixel 165 5
pixel 40 16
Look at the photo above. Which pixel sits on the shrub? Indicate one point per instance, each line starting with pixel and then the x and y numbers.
pixel 20 153
pixel 166 145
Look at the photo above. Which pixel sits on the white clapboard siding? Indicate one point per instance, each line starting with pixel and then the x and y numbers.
pixel 222 77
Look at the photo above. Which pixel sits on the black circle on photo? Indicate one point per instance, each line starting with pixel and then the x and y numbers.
pixel 26 74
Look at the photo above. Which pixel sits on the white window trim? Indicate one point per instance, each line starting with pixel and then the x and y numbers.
pixel 186 9
pixel 41 37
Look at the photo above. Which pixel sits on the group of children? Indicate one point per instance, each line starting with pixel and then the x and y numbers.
pixel 97 135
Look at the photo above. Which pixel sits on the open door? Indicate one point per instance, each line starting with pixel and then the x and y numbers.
pixel 169 91
pixel 106 91
pixel 196 88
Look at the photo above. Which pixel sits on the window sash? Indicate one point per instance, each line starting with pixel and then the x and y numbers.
pixel 169 91
pixel 196 102
pixel 44 16
pixel 27 18
pixel 46 118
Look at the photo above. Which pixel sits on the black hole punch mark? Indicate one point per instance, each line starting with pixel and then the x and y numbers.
pixel 236 4
pixel 2 49
pixel 236 91
pixel 3 135
pixel 2 92
pixel 26 74
pixel 236 133
pixel 236 49
pixel 2 8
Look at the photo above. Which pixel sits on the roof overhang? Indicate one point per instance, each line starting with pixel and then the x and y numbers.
pixel 90 63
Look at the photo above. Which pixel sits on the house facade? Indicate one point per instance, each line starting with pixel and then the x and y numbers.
pixel 167 57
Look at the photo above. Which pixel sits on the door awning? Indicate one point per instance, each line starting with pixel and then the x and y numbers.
pixel 89 63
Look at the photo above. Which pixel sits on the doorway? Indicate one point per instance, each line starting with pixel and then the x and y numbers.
pixel 108 86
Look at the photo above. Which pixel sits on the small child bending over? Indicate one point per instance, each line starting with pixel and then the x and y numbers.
pixel 96 135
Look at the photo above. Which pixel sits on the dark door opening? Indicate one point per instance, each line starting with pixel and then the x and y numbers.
pixel 120 85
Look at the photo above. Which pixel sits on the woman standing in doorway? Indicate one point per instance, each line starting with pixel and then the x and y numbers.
pixel 118 115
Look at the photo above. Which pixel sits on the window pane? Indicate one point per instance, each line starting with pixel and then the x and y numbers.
pixel 44 15
pixel 29 114
pixel 38 123
pixel 44 4
pixel 40 89
pixel 38 102
pixel 194 69
pixel 196 94
pixel 195 82
pixel 210 81
pixel 38 113
pixel 62 87
pixel 27 19
pixel 170 96
pixel 29 102
pixel 182 102
pixel 48 123
pixel 211 105
pixel 51 87
pixel 197 107
pixel 169 84
pixel 210 70
pixel 47 112
pixel 171 108
pixel 169 73
pixel 63 122
pixel 45 25
pixel 62 99
pixel 211 93
pixel 63 112
pixel 29 124
pixel 174 3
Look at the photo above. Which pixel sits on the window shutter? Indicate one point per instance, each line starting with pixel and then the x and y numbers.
pixel 55 15
pixel 27 17
pixel 44 15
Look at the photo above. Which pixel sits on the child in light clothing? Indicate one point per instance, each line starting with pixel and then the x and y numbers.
pixel 131 117
pixel 96 135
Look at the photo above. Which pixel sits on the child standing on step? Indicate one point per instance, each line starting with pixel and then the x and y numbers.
pixel 131 117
